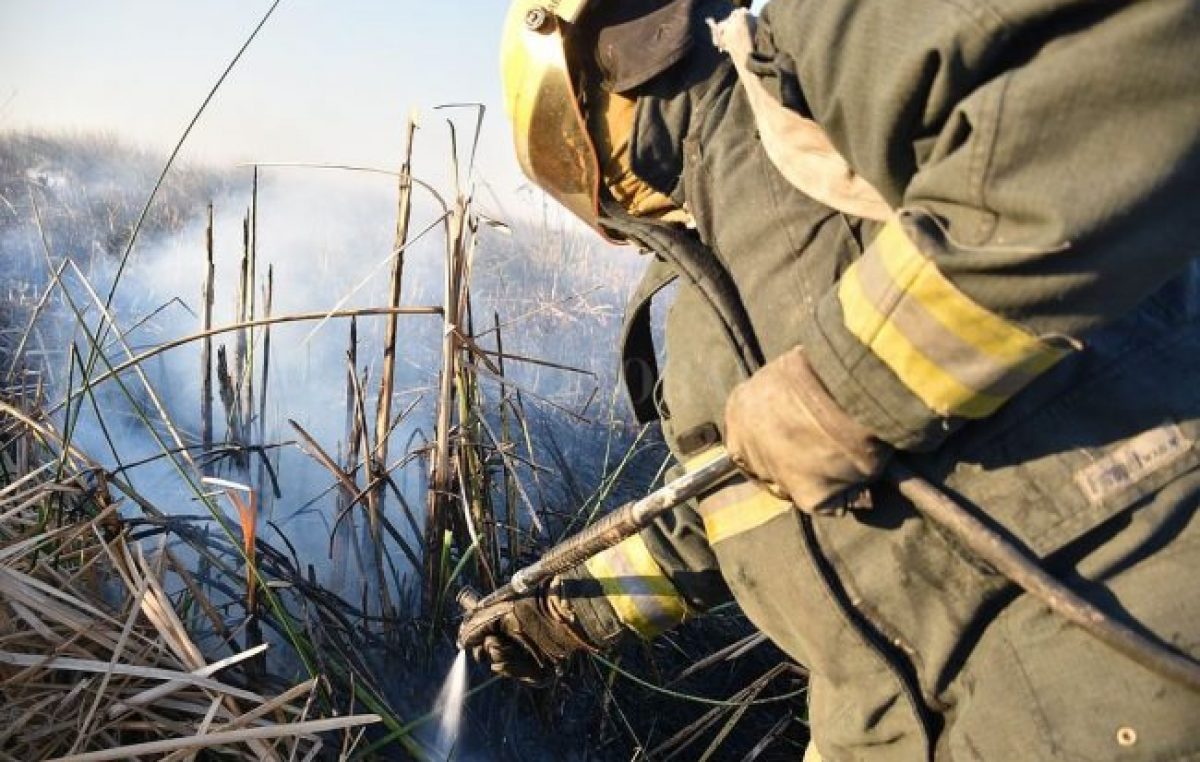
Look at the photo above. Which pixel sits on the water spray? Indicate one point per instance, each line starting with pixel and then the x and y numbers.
pixel 449 708
pixel 622 523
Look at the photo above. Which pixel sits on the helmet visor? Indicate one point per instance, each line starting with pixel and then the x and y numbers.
pixel 552 142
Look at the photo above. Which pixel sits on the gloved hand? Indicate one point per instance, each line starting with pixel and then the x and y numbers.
pixel 527 638
pixel 783 429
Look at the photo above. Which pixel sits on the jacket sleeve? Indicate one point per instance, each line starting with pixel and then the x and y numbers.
pixel 1043 156
pixel 649 583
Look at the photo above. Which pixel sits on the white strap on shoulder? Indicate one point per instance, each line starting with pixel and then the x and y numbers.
pixel 798 147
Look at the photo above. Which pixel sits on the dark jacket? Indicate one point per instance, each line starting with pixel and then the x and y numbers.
pixel 1040 154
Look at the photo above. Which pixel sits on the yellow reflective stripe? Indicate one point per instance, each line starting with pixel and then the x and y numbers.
pixel 643 598
pixel 739 508
pixel 702 459
pixel 920 279
pixel 954 355
pixel 940 391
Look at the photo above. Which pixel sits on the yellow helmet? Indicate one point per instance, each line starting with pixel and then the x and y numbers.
pixel 553 146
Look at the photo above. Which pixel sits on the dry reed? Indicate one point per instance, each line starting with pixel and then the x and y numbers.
pixel 94 661
pixel 151 636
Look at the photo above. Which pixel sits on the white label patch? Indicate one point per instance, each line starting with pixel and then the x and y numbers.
pixel 1133 461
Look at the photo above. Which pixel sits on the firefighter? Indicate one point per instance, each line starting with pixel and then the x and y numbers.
pixel 957 234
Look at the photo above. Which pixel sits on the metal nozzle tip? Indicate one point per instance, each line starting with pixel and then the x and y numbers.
pixel 467 599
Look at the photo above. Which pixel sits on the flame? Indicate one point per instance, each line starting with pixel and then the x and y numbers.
pixel 248 517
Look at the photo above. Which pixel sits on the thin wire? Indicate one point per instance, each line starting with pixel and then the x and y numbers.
pixel 697 699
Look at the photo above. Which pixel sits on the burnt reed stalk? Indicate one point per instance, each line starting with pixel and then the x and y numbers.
pixel 206 362
pixel 376 461
pixel 440 515
pixel 387 378
pixel 248 307
pixel 509 479
pixel 266 497
pixel 472 456
pixel 345 534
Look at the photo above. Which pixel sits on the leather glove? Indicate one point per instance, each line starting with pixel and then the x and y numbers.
pixel 527 638
pixel 783 429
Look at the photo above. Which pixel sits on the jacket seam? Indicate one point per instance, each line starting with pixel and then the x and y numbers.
pixel 833 587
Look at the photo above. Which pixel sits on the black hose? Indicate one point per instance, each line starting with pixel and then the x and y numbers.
pixel 1027 574
pixel 702 270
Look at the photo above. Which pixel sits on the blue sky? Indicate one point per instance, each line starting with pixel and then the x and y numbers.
pixel 324 81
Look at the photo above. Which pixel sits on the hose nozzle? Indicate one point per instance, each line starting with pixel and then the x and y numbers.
pixel 467 600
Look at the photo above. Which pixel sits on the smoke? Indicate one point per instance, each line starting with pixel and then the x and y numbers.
pixel 326 238
pixel 325 245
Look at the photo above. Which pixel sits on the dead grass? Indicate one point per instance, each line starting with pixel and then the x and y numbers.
pixel 95 661
pixel 522 441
